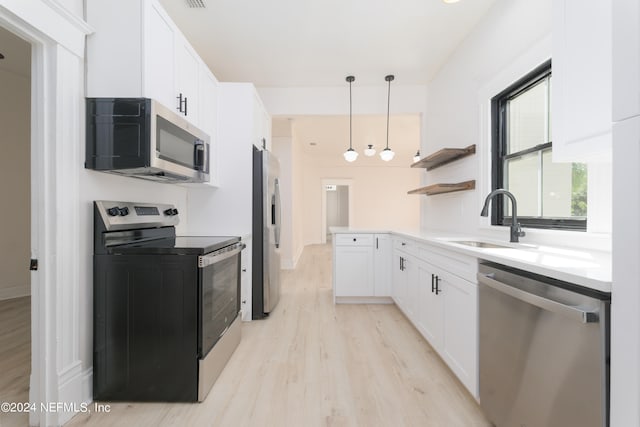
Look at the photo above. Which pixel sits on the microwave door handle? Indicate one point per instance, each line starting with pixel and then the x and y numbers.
pixel 199 155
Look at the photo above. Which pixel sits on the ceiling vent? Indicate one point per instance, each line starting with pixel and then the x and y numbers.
pixel 196 3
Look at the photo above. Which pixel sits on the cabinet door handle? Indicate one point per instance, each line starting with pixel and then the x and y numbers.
pixel 433 286
pixel 180 101
pixel 404 244
pixel 438 290
pixel 185 105
pixel 354 239
pixel 376 243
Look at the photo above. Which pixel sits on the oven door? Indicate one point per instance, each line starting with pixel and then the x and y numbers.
pixel 219 294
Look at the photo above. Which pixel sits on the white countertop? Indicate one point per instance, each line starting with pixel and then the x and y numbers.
pixel 588 268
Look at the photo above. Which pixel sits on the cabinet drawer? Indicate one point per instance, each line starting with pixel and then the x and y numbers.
pixel 405 245
pixel 354 239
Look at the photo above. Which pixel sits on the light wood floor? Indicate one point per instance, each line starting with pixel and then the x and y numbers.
pixel 15 357
pixel 315 364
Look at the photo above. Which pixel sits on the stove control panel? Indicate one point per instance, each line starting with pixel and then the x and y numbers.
pixel 129 215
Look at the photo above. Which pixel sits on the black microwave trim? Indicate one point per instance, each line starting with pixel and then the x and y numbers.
pixel 106 150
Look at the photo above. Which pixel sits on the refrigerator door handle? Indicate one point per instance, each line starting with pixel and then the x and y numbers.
pixel 277 213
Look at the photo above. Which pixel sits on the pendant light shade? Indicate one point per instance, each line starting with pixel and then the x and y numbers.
pixel 416 158
pixel 350 155
pixel 369 151
pixel 387 154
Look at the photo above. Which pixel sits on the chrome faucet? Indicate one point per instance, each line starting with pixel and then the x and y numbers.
pixel 516 231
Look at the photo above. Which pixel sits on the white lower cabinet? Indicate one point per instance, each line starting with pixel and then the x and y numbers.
pixel 361 267
pixel 382 265
pixel 430 307
pixel 354 271
pixel 460 322
pixel 441 305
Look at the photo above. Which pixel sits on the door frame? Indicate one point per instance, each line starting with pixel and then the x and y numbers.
pixel 323 221
pixel 54 34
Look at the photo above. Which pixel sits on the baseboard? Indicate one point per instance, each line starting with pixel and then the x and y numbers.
pixel 12 292
pixel 363 300
pixel 296 257
pixel 287 264
pixel 74 391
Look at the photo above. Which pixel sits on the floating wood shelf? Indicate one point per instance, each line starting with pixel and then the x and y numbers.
pixel 433 189
pixel 444 156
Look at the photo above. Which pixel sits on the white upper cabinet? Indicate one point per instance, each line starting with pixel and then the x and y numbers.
pixel 626 59
pixel 137 51
pixel 187 69
pixel 159 56
pixel 262 125
pixel 582 80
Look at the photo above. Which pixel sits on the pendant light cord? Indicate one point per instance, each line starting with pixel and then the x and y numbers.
pixel 388 78
pixel 350 114
pixel 388 109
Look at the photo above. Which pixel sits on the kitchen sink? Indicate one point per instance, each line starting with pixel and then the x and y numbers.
pixel 477 244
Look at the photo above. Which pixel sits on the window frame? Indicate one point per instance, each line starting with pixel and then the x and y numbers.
pixel 498 156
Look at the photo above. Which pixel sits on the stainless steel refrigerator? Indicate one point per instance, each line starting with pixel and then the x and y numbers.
pixel 266 233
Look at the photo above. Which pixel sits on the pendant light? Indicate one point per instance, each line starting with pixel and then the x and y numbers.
pixel 369 151
pixel 387 154
pixel 416 158
pixel 350 155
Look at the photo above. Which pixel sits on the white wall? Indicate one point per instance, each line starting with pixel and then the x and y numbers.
pixel 513 38
pixel 379 196
pixel 15 184
pixel 282 149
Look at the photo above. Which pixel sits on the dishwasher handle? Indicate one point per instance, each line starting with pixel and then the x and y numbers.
pixel 575 313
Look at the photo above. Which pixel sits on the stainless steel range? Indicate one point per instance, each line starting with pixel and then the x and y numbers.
pixel 165 307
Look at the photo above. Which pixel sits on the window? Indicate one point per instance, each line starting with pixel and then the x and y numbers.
pixel 549 195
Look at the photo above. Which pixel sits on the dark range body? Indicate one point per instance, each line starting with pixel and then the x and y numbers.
pixel 165 307
pixel 266 234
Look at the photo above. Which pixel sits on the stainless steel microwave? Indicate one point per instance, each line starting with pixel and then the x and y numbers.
pixel 139 137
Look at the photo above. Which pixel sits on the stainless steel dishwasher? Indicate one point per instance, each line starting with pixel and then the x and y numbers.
pixel 544 350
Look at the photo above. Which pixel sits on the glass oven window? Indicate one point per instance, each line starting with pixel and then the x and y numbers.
pixel 220 300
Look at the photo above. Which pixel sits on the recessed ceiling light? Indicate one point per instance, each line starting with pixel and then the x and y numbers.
pixel 450 1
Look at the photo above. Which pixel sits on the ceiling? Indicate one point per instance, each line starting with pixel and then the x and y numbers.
pixel 330 134
pixel 17 54
pixel 283 43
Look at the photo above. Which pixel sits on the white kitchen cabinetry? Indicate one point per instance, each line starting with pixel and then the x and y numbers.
pixel 626 61
pixel 261 125
pixel 433 288
pixel 582 80
pixel 188 65
pixel 430 307
pixel 404 275
pixel 459 347
pixel 382 265
pixel 137 51
pixel 361 267
pixel 354 271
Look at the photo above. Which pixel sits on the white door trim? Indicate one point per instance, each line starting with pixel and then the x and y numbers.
pixel 323 207
pixel 53 36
